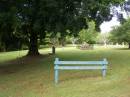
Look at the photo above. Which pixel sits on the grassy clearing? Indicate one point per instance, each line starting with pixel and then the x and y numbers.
pixel 33 77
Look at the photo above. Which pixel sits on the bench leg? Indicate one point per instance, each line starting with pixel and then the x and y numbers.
pixel 56 75
pixel 104 72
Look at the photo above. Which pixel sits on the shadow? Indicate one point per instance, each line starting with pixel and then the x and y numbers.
pixel 121 49
pixel 16 65
pixel 81 76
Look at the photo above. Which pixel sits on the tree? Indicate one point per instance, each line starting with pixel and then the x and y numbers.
pixel 34 17
pixel 8 41
pixel 121 33
pixel 88 35
pixel 54 40
pixel 103 38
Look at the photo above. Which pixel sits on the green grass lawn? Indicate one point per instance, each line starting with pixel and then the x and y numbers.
pixel 34 76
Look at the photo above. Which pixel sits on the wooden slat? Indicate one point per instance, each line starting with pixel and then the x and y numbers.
pixel 79 67
pixel 81 62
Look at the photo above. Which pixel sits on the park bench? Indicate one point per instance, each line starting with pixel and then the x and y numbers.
pixel 79 65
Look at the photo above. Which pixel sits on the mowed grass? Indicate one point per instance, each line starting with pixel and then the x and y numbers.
pixel 34 76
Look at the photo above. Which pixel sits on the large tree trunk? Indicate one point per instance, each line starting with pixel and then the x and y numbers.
pixel 33 45
pixel 63 41
pixel 129 45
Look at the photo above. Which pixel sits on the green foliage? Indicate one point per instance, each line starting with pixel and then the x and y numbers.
pixel 53 39
pixel 88 35
pixel 121 33
pixel 30 19
pixel 103 38
pixel 8 21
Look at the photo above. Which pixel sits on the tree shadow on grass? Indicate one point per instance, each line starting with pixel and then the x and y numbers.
pixel 121 48
pixel 16 65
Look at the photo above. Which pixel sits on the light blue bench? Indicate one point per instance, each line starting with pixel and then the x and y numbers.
pixel 79 65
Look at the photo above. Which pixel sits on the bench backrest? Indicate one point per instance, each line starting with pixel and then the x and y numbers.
pixel 58 62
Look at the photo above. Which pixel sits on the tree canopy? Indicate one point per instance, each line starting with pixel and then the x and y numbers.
pixel 121 33
pixel 29 20
pixel 88 35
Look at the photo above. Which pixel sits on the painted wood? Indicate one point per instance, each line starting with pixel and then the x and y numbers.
pixel 81 62
pixel 103 72
pixel 79 65
pixel 56 74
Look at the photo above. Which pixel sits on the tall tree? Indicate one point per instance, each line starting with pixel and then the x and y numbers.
pixel 35 17
pixel 7 25
pixel 121 33
pixel 88 35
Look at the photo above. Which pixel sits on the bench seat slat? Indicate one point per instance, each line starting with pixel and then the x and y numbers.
pixel 81 62
pixel 79 67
